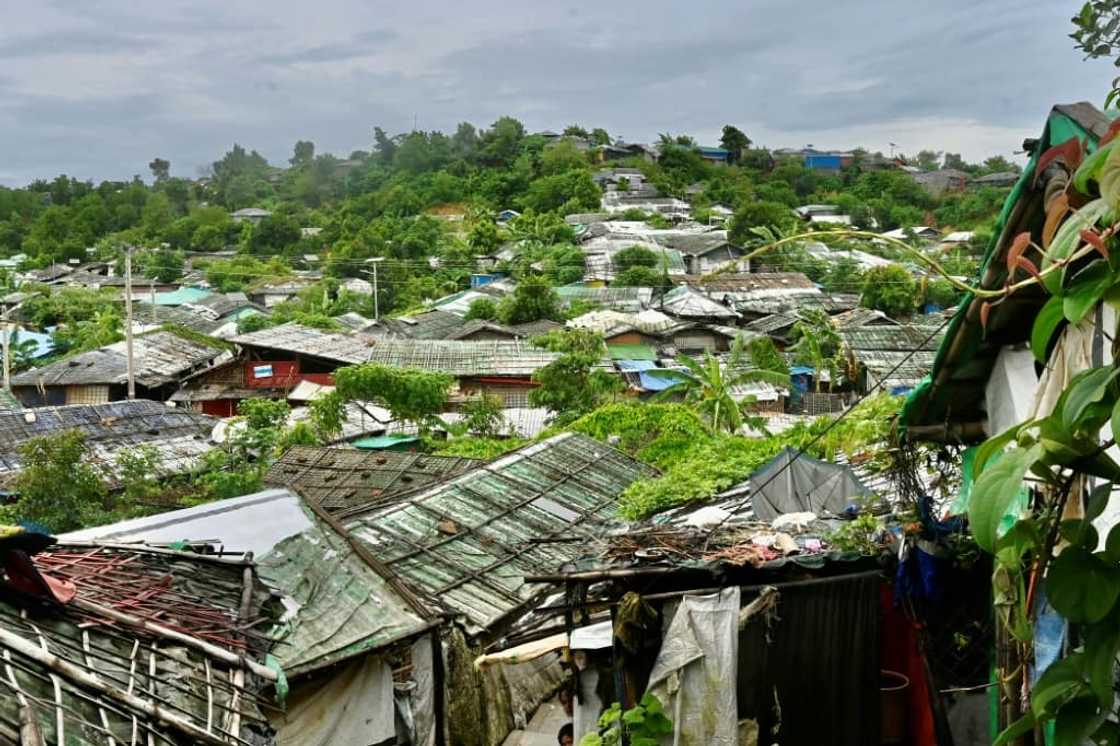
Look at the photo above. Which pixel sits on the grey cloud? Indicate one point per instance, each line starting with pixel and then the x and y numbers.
pixel 73 42
pixel 360 45
pixel 226 72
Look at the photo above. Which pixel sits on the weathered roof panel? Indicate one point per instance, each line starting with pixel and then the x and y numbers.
pixel 304 340
pixel 469 542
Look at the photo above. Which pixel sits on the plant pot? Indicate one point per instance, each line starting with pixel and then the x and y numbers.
pixel 893 691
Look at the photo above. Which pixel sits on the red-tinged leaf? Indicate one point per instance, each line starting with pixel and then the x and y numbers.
pixel 1070 152
pixel 1059 208
pixel 1110 134
pixel 985 309
pixel 1094 239
pixel 1018 246
pixel 1028 265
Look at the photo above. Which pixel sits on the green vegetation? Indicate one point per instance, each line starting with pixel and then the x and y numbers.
pixel 697 463
pixel 890 289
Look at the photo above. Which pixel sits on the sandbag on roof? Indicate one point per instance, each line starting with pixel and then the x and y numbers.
pixel 806 484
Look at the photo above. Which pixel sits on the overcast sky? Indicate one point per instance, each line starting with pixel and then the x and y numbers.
pixel 97 88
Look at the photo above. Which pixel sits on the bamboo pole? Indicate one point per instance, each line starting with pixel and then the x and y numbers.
pixel 210 649
pixel 81 677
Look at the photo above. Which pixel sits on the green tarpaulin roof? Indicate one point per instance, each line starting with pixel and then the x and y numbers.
pixel 951 398
pixel 632 352
pixel 384 441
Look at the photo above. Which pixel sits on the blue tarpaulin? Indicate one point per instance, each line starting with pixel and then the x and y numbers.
pixel 646 381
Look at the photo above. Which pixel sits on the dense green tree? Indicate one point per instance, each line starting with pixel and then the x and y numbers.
pixel 572 191
pixel 735 142
pixel 890 289
pixel 634 256
pixel 302 154
pixel 485 309
pixel 160 168
pixel 772 215
pixel 639 277
pixel 57 486
pixel 532 300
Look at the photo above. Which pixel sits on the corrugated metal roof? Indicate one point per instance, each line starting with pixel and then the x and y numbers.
pixel 434 324
pixel 343 478
pixel 471 541
pixel 463 358
pixel 685 302
pixel 160 357
pixel 338 604
pixel 180 436
pixel 901 338
pixel 619 299
pixel 303 340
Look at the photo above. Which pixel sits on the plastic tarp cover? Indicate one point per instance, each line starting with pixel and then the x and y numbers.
pixel 352 707
pixel 806 485
pixel 423 696
pixel 1010 389
pixel 695 669
pixel 645 380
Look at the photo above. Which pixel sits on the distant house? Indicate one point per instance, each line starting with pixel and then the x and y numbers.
pixel 895 356
pixel 715 156
pixel 162 359
pixel 271 295
pixel 703 252
pixel 507 215
pixel 179 437
pixel 690 304
pixel 250 215
pixel 942 181
pixel 1000 179
pixel 495 367
pixel 818 160
pixel 918 231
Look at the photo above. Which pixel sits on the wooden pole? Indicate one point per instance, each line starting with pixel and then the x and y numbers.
pixel 80 677
pixel 128 322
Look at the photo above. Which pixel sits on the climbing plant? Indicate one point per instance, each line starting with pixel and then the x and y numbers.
pixel 1061 459
pixel 645 724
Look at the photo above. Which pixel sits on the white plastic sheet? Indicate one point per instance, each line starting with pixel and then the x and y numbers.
pixel 696 669
pixel 1010 389
pixel 353 707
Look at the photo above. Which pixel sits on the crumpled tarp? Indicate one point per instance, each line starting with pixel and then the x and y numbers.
pixel 793 483
pixel 352 707
pixel 696 668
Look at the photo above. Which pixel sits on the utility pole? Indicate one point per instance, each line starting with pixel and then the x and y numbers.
pixel 128 322
pixel 7 354
pixel 376 305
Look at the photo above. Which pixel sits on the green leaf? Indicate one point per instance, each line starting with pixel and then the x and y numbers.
pixel 1082 586
pixel 1112 544
pixel 1086 289
pixel 994 491
pixel 1045 323
pixel 1068 238
pixel 1090 169
pixel 1076 721
pixel 992 446
pixel 1108 734
pixel 1116 421
pixel 1020 727
pixel 1098 501
pixel 1020 539
pixel 1080 533
pixel 1059 683
pixel 1087 387
pixel 1101 643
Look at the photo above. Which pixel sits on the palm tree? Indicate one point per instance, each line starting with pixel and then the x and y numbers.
pixel 709 387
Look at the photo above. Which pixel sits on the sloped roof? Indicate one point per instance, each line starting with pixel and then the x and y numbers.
pixel 471 541
pixel 342 478
pixel 760 283
pixel 462 358
pixel 901 338
pixel 304 340
pixel 160 357
pixel 773 323
pixel 141 670
pixel 620 299
pixel 340 601
pixel 434 324
pixel 180 436
pixel 685 302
